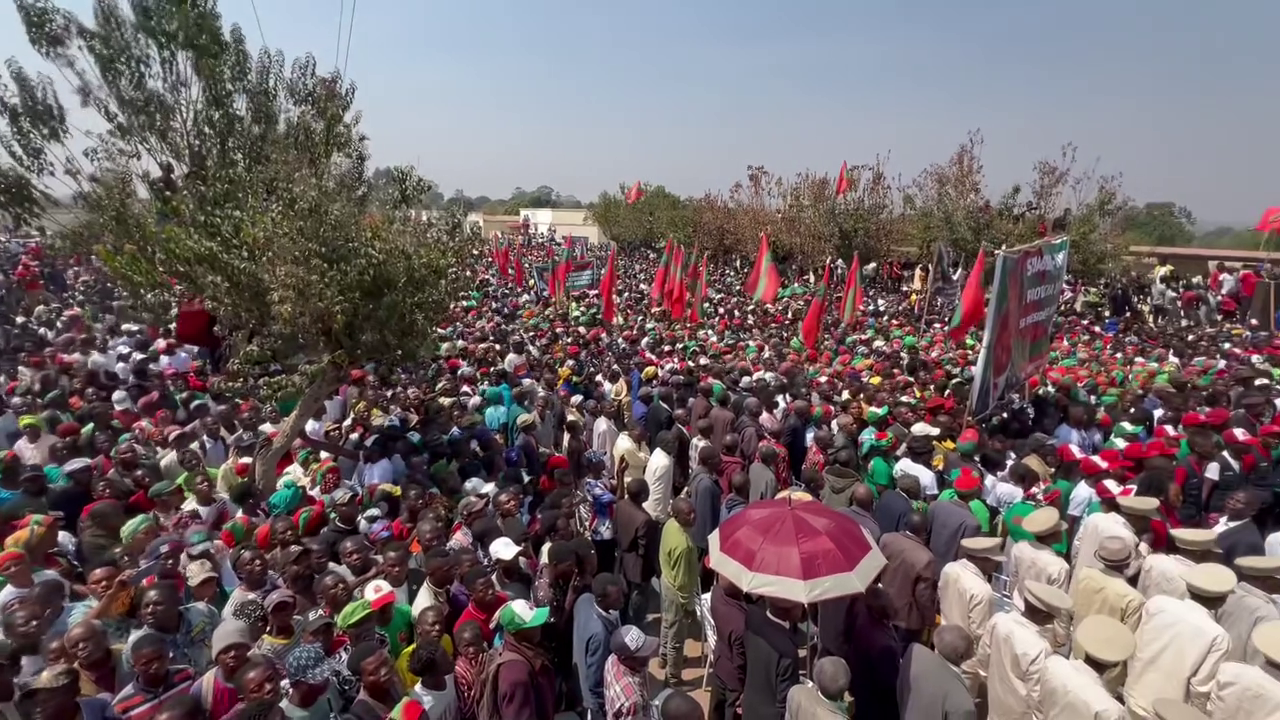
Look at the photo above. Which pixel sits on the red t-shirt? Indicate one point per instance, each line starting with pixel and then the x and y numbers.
pixel 1247 282
pixel 485 620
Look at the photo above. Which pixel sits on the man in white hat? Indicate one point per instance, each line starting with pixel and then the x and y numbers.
pixel 1075 688
pixel 1161 573
pixel 1180 646
pixel 965 597
pixel 1250 605
pixel 1034 560
pixel 1012 654
pixel 1242 690
pixel 1127 517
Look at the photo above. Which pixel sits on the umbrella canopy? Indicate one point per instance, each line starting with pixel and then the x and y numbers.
pixel 804 552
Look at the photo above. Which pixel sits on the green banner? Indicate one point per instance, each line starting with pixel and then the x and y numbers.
pixel 1023 304
pixel 583 275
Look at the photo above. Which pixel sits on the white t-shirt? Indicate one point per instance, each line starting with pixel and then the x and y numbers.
pixel 11 593
pixel 179 361
pixel 927 477
pixel 1082 496
pixel 516 364
pixel 439 704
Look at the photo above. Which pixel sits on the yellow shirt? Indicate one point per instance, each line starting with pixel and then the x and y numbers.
pixel 402 663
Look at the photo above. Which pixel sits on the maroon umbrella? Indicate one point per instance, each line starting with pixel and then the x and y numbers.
pixel 800 551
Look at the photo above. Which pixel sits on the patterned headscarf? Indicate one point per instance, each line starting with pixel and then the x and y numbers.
pixel 250 612
pixel 327 476
pixel 236 532
pixel 310 521
pixel 135 526
pixel 26 539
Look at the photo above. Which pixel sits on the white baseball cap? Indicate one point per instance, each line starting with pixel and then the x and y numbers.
pixel 504 549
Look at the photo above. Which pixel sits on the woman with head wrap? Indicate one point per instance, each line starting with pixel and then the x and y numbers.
pixel 237 532
pixel 310 520
pixel 326 476
pixel 286 499
pixel 33 447
pixel 99 531
pixel 36 536
pixel 137 533
pixel 203 500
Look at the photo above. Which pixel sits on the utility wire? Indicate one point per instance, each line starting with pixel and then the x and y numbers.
pixel 261 34
pixel 337 48
pixel 350 24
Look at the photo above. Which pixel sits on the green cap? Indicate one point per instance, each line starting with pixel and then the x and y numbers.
pixel 520 615
pixel 354 612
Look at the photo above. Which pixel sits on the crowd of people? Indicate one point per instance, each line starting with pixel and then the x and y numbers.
pixel 523 530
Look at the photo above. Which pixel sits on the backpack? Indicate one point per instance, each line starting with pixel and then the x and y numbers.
pixel 488 708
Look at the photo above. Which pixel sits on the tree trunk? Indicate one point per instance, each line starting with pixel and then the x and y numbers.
pixel 264 465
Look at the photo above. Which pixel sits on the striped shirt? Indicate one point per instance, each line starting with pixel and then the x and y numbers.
pixel 135 702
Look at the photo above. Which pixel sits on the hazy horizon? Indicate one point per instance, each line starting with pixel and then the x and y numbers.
pixel 491 95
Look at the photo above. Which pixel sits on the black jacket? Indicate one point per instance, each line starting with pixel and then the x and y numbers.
pixel 773 666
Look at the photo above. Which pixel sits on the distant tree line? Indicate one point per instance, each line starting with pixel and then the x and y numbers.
pixel 1167 224
pixel 543 196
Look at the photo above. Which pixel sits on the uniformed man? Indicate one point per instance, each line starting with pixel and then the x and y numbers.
pixel 1179 644
pixel 1242 690
pixel 1075 688
pixel 1250 605
pixel 1161 573
pixel 1013 653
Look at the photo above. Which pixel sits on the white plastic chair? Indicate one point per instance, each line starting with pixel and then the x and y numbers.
pixel 708 636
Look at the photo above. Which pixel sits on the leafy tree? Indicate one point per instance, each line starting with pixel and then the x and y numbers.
pixel 1158 223
pixel 659 214
pixel 236 178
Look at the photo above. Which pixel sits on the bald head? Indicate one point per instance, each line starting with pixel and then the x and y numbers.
pixel 953 643
pixel 917 524
pixel 681 706
pixel 831 675
pixel 863 497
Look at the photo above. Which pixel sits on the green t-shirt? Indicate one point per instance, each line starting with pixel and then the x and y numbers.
pixel 399 631
pixel 1021 509
pixel 879 474
pixel 977 507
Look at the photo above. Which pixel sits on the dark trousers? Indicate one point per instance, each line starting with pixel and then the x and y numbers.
pixel 724 703
pixel 636 610
pixel 606 555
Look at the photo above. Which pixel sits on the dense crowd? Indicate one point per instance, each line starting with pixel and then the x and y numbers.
pixel 522 529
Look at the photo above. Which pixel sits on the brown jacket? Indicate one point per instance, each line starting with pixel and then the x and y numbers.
pixel 910 580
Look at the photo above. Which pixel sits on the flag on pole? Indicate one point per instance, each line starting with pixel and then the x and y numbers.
pixel 679 291
pixel 660 277
pixel 699 292
pixel 634 194
pixel 763 283
pixel 970 311
pixel 811 328
pixel 519 269
pixel 842 182
pixel 675 274
pixel 607 286
pixel 851 303
pixel 562 271
pixel 1270 221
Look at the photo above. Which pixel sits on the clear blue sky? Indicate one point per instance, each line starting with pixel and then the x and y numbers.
pixel 1175 94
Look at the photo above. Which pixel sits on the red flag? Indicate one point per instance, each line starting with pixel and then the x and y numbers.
pixel 1270 221
pixel 660 277
pixel 851 303
pixel 699 292
pixel 763 283
pixel 519 269
pixel 504 260
pixel 811 328
pixel 678 289
pixel 971 310
pixel 635 193
pixel 842 182
pixel 562 270
pixel 674 275
pixel 607 285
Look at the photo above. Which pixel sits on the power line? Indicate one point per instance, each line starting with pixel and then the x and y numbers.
pixel 350 24
pixel 261 34
pixel 337 48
